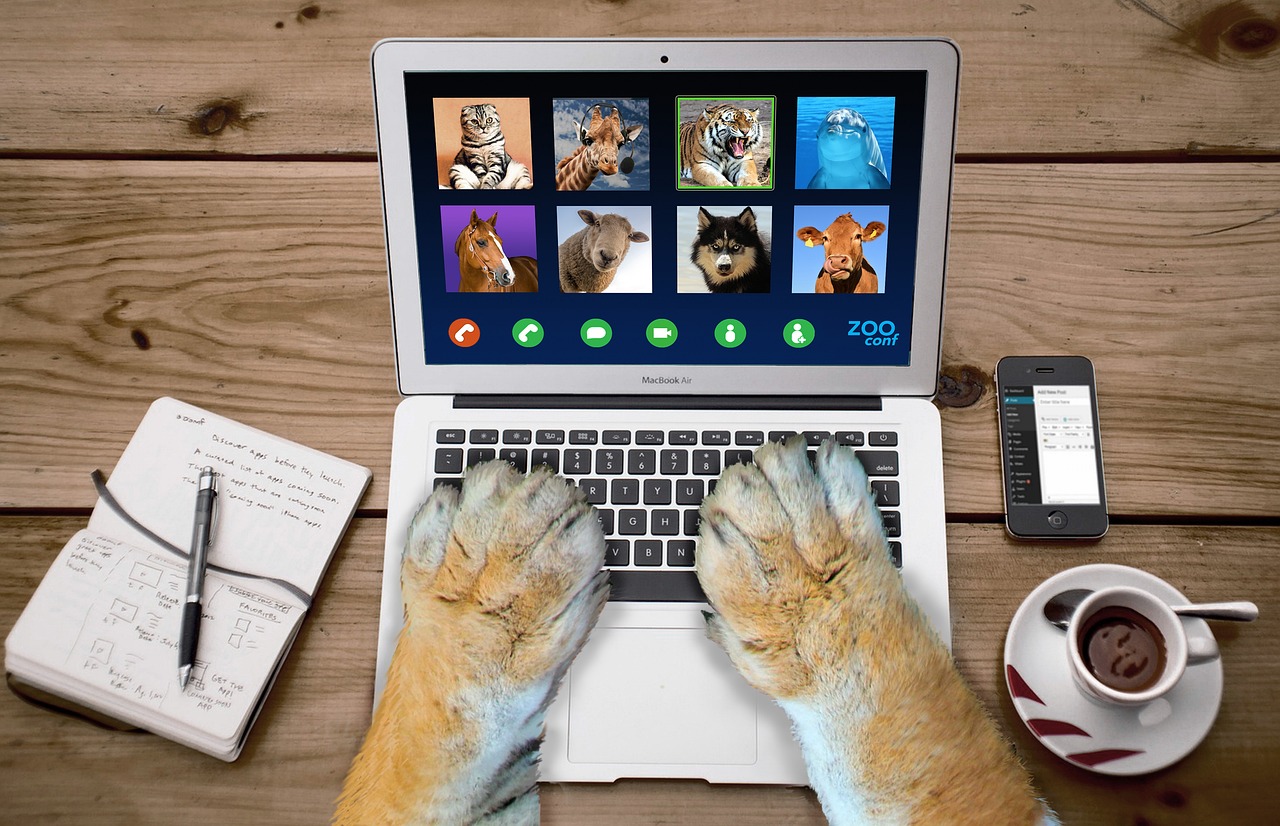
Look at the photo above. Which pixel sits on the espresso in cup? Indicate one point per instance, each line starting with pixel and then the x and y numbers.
pixel 1123 649
pixel 1127 647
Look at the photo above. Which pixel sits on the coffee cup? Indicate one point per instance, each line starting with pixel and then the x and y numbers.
pixel 1127 647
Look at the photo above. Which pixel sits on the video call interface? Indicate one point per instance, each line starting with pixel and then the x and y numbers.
pixel 663 218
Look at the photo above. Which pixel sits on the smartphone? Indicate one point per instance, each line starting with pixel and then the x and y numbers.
pixel 1050 447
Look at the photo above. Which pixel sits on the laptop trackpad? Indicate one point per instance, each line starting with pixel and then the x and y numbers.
pixel 659 695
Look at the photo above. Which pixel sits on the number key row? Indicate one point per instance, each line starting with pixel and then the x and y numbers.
pixel 645 462
pixel 610 461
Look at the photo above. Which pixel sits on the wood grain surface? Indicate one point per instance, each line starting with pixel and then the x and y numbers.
pixel 298 753
pixel 189 206
pixel 229 77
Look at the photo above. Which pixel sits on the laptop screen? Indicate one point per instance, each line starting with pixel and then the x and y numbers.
pixel 678 217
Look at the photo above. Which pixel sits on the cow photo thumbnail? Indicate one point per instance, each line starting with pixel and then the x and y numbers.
pixel 840 249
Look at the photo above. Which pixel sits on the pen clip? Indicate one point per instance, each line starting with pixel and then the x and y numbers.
pixel 215 510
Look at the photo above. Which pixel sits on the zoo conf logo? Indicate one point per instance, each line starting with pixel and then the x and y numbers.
pixel 875 333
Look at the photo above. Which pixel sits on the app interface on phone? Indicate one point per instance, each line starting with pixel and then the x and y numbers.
pixel 674 218
pixel 1051 445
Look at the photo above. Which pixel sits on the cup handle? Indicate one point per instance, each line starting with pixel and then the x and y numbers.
pixel 1201 650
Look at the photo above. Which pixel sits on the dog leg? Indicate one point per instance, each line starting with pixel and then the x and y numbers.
pixel 501 586
pixel 812 612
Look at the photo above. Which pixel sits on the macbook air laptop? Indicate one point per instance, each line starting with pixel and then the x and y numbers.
pixel 636 262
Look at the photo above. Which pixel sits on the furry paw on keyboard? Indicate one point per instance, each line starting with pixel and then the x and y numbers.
pixel 812 612
pixel 501 585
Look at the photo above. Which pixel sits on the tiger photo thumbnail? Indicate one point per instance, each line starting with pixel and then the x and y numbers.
pixel 724 143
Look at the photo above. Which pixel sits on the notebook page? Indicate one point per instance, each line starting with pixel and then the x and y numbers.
pixel 281 508
pixel 103 626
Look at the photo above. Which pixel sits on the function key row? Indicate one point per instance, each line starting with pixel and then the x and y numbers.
pixel 741 438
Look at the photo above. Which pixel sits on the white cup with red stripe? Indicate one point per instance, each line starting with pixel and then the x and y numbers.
pixel 1127 647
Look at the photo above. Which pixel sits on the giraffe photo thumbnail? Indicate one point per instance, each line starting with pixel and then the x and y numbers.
pixel 601 144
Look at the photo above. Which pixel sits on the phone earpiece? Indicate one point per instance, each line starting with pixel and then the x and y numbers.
pixel 626 165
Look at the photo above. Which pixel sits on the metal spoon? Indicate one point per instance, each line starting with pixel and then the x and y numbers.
pixel 1060 607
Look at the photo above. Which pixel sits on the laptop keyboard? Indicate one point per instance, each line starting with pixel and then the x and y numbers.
pixel 647 484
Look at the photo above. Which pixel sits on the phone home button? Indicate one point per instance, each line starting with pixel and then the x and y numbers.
pixel 1057 520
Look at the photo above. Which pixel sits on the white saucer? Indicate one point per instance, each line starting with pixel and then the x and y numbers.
pixel 1082 731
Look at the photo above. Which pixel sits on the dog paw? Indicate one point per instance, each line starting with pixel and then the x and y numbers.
pixel 505 577
pixel 793 558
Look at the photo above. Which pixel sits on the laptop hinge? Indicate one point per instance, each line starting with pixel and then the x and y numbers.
pixel 637 402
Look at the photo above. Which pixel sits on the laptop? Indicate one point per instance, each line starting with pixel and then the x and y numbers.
pixel 637 262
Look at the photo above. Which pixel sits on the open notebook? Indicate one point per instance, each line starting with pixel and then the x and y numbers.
pixel 100 634
pixel 770 221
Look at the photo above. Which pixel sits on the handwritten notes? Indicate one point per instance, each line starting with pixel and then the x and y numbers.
pixel 281 506
pixel 102 629
pixel 107 616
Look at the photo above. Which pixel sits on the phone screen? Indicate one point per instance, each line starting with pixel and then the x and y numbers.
pixel 1051 445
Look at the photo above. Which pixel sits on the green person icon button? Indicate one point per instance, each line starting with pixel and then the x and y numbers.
pixel 798 333
pixel 731 333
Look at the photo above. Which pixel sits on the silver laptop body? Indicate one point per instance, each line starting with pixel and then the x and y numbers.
pixel 643 392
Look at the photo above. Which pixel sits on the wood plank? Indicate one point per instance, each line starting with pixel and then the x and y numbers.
pixel 56 767
pixel 1162 276
pixel 261 295
pixel 238 77
pixel 258 289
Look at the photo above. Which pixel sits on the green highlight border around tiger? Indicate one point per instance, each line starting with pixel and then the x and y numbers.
pixel 684 184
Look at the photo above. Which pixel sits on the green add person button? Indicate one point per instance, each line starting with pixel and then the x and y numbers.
pixel 527 332
pixel 596 332
pixel 731 332
pixel 798 333
pixel 662 332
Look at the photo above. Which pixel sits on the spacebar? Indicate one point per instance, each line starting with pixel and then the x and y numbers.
pixel 655 586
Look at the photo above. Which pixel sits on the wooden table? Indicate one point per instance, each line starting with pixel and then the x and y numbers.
pixel 189 206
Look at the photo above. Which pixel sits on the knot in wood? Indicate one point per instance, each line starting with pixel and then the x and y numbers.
pixel 216 116
pixel 1234 27
pixel 1253 36
pixel 961 385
